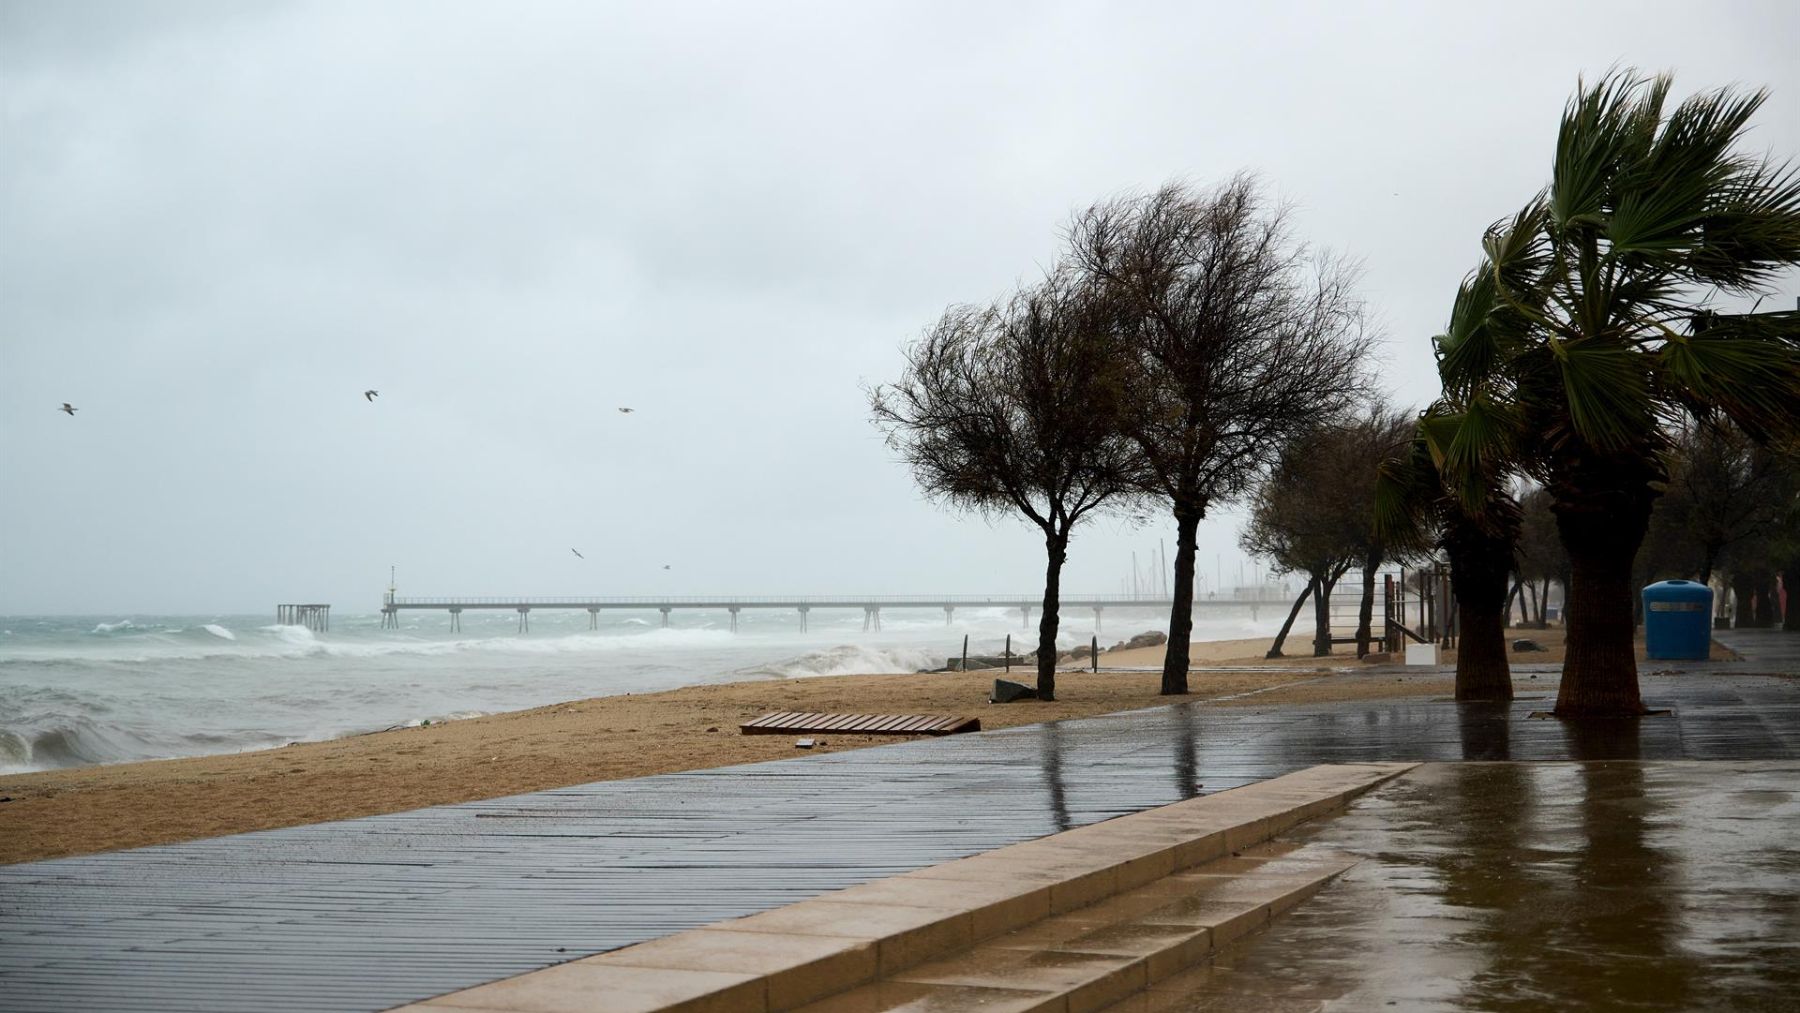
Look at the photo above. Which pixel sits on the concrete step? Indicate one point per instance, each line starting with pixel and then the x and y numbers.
pixel 1092 957
pixel 886 933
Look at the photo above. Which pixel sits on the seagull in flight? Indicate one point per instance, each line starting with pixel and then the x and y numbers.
pixel 578 554
pixel 626 411
pixel 67 407
pixel 370 395
pixel 665 566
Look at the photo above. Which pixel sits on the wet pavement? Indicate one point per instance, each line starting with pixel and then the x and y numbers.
pixel 366 914
pixel 1539 886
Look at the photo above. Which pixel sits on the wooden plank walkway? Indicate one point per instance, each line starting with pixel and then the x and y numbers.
pixel 370 913
pixel 806 722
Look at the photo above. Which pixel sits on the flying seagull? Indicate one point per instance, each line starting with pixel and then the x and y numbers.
pixel 578 554
pixel 665 566
pixel 370 395
pixel 67 407
pixel 626 411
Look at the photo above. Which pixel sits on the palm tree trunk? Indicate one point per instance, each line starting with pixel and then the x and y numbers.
pixel 1281 638
pixel 1181 614
pixel 1790 582
pixel 1056 547
pixel 1481 565
pixel 1600 665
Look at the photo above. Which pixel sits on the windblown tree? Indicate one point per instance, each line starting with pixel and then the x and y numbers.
pixel 1725 490
pixel 1011 409
pixel 1235 342
pixel 1586 363
pixel 1315 514
pixel 1302 522
pixel 1541 558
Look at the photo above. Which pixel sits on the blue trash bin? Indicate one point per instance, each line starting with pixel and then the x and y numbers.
pixel 1678 620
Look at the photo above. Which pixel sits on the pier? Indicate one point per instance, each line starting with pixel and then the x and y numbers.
pixel 314 617
pixel 871 605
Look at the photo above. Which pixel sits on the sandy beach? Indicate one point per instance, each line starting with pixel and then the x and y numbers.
pixel 99 808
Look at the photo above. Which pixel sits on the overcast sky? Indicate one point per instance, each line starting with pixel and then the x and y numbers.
pixel 221 222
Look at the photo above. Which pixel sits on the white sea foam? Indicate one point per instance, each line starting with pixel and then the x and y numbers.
pixel 218 631
pixel 847 659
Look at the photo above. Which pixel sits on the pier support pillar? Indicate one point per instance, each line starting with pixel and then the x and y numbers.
pixel 734 611
pixel 593 619
pixel 1026 611
pixel 871 618
pixel 665 617
pixel 948 610
pixel 390 619
pixel 1097 611
pixel 456 620
pixel 524 620
pixel 803 611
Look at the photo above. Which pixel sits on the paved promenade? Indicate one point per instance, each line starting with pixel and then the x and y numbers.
pixel 370 913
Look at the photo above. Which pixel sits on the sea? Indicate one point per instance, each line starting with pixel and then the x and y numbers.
pixel 80 690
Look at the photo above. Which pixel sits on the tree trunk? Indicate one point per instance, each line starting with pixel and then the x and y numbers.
pixel 1742 615
pixel 1056 547
pixel 1181 615
pixel 1322 609
pixel 1366 612
pixel 1481 564
pixel 1600 666
pixel 1790 582
pixel 1543 611
pixel 1281 638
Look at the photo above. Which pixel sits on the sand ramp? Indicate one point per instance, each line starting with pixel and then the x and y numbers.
pixel 802 722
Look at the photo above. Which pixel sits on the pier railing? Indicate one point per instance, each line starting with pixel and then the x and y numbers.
pixel 870 604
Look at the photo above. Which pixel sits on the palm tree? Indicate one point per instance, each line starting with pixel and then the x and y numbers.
pixel 1576 341
pixel 1445 490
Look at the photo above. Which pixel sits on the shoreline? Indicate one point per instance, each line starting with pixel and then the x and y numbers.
pixel 82 810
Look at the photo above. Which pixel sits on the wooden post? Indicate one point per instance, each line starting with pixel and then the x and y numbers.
pixel 965 661
pixel 1094 653
pixel 1009 653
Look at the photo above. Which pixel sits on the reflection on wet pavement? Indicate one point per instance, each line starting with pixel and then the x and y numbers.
pixel 1540 886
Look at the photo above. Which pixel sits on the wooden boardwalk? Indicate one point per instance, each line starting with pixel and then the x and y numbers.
pixel 369 913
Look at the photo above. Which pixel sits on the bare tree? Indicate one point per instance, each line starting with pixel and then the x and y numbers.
pixel 1235 341
pixel 1011 409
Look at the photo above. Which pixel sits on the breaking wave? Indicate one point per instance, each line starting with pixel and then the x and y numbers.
pixel 848 659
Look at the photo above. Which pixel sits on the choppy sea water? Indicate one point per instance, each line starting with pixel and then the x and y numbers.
pixel 78 690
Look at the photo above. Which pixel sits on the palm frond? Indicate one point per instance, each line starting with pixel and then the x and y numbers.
pixel 1607 392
